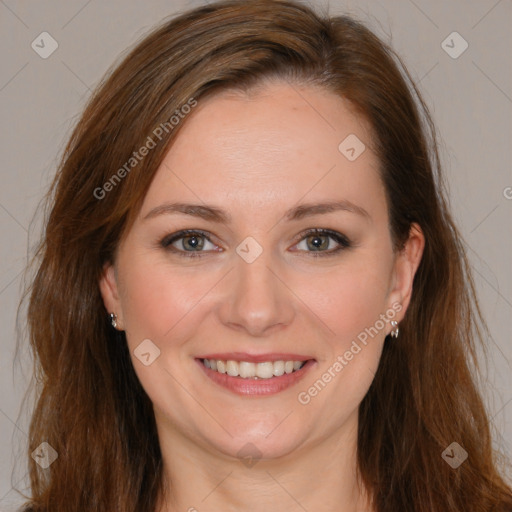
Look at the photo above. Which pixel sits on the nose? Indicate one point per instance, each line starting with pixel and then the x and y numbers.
pixel 257 299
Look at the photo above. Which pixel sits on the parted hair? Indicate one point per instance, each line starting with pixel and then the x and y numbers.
pixel 90 406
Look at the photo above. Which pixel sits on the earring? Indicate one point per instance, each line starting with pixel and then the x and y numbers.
pixel 395 331
pixel 113 320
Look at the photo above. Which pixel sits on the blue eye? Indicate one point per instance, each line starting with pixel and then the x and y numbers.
pixel 188 241
pixel 322 242
pixel 316 242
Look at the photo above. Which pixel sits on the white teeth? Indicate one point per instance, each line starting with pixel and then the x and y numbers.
pixel 248 370
pixel 232 368
pixel 278 368
pixel 265 370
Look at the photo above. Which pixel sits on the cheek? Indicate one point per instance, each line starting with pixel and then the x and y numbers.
pixel 350 305
pixel 350 299
pixel 158 300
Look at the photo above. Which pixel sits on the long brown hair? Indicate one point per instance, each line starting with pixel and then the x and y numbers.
pixel 91 407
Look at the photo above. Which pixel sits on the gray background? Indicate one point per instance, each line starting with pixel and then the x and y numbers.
pixel 470 98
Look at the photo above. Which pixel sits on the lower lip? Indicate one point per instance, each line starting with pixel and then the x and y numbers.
pixel 251 386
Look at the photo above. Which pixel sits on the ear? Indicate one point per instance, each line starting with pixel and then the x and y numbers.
pixel 406 263
pixel 110 294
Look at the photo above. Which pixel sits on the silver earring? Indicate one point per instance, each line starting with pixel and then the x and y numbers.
pixel 113 320
pixel 396 330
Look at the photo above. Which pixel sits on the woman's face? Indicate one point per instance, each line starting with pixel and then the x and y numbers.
pixel 252 287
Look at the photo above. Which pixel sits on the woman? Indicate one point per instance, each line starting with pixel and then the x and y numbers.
pixel 250 293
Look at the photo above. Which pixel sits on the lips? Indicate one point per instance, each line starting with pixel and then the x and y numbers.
pixel 255 358
pixel 261 374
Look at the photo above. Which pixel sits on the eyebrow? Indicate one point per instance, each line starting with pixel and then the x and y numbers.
pixel 214 214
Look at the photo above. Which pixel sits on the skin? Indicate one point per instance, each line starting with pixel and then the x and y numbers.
pixel 256 156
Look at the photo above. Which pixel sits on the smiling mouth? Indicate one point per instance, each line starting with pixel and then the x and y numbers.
pixel 250 370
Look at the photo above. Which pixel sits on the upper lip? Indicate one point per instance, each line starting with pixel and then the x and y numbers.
pixel 255 358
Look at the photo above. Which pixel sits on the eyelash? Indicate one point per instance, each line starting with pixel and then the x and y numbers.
pixel 343 241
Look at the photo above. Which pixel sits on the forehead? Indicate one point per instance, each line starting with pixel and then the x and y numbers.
pixel 268 148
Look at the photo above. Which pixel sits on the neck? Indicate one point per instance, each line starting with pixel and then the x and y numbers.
pixel 320 477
